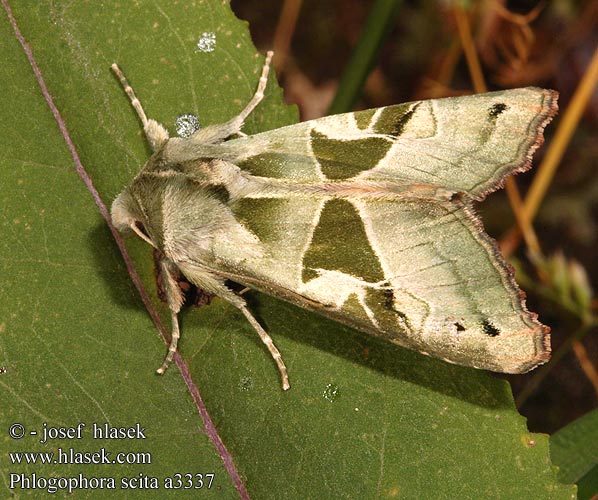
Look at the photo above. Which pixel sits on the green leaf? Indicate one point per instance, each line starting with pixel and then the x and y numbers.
pixel 574 449
pixel 363 418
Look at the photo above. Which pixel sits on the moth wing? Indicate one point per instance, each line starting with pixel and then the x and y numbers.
pixel 336 235
pixel 462 144
pixel 447 283
pixel 417 272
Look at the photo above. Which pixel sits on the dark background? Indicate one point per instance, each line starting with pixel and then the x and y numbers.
pixel 546 44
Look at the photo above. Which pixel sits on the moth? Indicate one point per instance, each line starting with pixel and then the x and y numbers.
pixel 364 217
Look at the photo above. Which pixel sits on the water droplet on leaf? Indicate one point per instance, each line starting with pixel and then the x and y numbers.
pixel 206 42
pixel 246 384
pixel 331 393
pixel 186 125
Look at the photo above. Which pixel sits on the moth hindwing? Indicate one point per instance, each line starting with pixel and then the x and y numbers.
pixel 363 217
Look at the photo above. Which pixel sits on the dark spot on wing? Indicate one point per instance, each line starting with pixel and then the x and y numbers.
pixel 459 326
pixel 345 158
pixel 487 130
pixel 340 243
pixel 352 307
pixel 490 329
pixel 393 119
pixel 497 109
pixel 381 302
pixel 266 164
pixel 363 118
pixel 260 216
pixel 389 298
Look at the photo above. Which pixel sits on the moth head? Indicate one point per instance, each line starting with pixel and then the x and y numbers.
pixel 126 216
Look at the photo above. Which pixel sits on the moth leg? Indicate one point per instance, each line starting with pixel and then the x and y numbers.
pixel 207 281
pixel 267 340
pixel 155 133
pixel 217 133
pixel 174 297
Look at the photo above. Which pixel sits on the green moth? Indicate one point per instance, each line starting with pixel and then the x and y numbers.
pixel 363 217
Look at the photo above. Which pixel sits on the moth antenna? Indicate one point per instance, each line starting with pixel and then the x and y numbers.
pixel 259 93
pixel 131 93
pixel 267 340
pixel 218 133
pixel 174 341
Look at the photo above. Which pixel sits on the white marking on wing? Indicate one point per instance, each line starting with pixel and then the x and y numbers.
pixel 334 288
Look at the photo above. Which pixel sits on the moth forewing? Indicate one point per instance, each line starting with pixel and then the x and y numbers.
pixel 365 217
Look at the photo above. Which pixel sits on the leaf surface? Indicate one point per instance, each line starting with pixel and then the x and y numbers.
pixel 574 448
pixel 363 419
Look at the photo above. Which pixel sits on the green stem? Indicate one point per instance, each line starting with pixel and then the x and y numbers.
pixel 380 20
